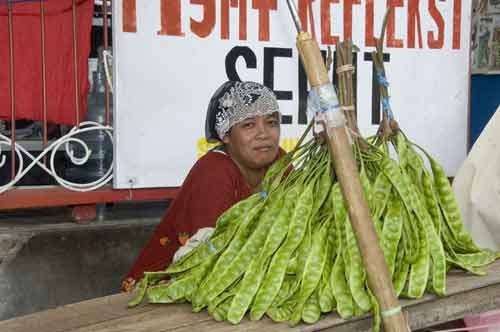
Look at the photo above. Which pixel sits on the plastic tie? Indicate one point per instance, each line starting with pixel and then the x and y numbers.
pixel 387 108
pixel 210 245
pixel 381 79
pixel 263 194
pixel 329 108
pixel 348 108
pixel 391 312
pixel 345 68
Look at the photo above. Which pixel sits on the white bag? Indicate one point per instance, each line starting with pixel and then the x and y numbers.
pixel 201 235
pixel 477 187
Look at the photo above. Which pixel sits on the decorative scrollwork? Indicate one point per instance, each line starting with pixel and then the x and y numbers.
pixel 69 140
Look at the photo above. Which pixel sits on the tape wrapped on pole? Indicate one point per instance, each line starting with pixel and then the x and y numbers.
pixel 324 103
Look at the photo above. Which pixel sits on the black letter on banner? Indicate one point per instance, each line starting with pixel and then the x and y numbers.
pixel 302 94
pixel 233 55
pixel 375 88
pixel 269 54
pixel 303 91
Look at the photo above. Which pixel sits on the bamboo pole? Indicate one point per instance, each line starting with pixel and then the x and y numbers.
pixel 347 173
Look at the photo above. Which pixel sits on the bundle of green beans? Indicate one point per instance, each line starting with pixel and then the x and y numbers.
pixel 289 252
pixel 432 234
pixel 267 253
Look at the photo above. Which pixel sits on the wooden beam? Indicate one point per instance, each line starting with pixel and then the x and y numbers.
pixel 50 196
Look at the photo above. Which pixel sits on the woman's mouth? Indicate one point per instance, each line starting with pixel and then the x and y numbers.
pixel 264 148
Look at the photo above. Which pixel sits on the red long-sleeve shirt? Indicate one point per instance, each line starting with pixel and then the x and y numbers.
pixel 213 185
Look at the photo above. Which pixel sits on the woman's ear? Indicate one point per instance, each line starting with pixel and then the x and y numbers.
pixel 226 139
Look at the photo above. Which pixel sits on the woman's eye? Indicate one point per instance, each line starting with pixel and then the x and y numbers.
pixel 247 125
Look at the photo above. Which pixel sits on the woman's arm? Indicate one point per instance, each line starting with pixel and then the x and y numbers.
pixel 212 187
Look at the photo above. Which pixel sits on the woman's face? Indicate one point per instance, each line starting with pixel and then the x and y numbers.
pixel 254 142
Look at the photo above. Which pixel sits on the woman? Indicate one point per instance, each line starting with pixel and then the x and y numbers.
pixel 245 118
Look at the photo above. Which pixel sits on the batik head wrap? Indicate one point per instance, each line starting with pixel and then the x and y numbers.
pixel 234 102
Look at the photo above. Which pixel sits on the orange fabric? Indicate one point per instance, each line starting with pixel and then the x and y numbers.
pixel 60 82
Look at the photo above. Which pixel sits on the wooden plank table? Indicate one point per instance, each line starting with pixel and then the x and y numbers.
pixel 466 294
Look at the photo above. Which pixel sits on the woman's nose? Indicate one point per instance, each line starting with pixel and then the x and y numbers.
pixel 262 129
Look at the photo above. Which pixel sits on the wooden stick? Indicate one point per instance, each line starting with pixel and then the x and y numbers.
pixel 346 170
pixel 387 126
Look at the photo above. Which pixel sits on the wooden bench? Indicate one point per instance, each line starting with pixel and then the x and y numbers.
pixel 466 294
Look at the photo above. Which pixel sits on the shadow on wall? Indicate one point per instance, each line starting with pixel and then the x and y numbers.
pixel 44 267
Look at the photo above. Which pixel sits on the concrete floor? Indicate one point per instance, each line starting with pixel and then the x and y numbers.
pixel 46 260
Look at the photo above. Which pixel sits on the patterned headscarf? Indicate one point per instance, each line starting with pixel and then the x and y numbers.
pixel 234 102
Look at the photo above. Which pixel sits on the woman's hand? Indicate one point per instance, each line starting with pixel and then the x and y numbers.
pixel 128 285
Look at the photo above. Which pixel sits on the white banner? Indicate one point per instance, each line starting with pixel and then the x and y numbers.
pixel 171 55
